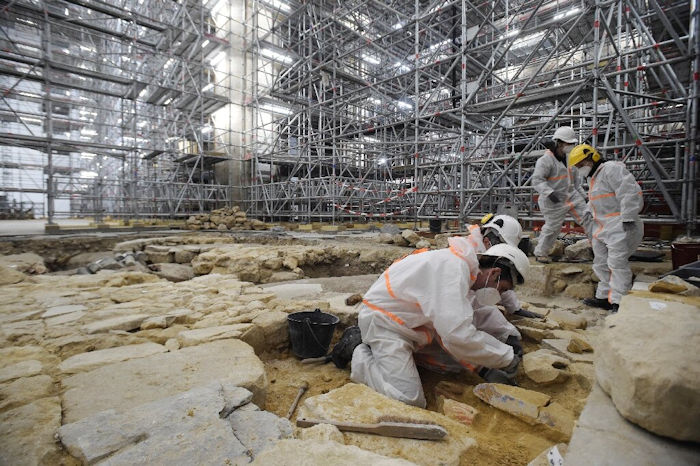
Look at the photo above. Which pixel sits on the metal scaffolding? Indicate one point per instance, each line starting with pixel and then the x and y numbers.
pixel 120 107
pixel 367 109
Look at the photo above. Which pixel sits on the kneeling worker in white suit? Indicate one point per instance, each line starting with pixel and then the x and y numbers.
pixel 421 301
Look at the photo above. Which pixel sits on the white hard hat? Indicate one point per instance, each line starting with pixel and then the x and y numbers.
pixel 566 134
pixel 507 228
pixel 516 258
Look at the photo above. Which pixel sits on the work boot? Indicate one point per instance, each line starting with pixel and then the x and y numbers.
pixel 597 302
pixel 615 308
pixel 543 259
pixel 341 354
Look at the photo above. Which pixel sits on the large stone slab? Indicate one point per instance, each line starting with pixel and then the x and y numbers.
pixel 258 430
pixel 545 367
pixel 604 438
pixel 187 428
pixel 20 369
pixel 203 335
pixel 647 363
pixel 25 390
pixel 60 310
pixel 130 322
pixel 311 453
pixel 127 384
pixel 359 403
pixel 91 360
pixel 27 433
pixel 294 290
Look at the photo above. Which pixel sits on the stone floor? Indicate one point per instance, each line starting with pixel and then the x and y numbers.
pixel 124 366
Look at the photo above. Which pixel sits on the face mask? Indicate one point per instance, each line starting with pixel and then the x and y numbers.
pixel 489 296
pixel 585 171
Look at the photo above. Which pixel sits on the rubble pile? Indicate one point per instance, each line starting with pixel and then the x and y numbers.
pixel 407 238
pixel 225 219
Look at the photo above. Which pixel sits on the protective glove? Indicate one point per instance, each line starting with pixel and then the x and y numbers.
pixel 512 369
pixel 554 198
pixel 524 313
pixel 628 227
pixel 514 342
pixel 496 376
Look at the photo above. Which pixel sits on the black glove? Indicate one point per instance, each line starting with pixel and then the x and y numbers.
pixel 628 227
pixel 524 313
pixel 514 342
pixel 496 376
pixel 512 369
pixel 554 198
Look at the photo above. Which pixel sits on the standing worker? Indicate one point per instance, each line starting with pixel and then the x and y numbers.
pixel 615 200
pixel 559 191
pixel 422 299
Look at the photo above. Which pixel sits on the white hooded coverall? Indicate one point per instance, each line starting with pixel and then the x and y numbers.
pixel 552 176
pixel 614 198
pixel 418 301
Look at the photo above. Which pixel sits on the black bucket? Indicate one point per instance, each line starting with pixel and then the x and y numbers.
pixel 311 333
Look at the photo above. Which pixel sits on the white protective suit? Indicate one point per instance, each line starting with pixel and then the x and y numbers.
pixel 614 198
pixel 418 301
pixel 552 176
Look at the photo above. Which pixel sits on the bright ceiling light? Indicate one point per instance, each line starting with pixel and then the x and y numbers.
pixel 276 109
pixel 274 55
pixel 371 59
pixel 565 14
pixel 406 105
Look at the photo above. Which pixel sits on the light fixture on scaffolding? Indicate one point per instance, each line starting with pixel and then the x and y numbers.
pixel 274 55
pixel 206 129
pixel 205 43
pixel 371 59
pixel 381 161
pixel 87 155
pixel 88 132
pixel 531 39
pixel 208 87
pixel 369 139
pixel 88 174
pixel 510 33
pixel 406 105
pixel 402 66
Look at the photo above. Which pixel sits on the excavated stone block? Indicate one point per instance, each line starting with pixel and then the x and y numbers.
pixel 359 403
pixel 20 369
pixel 128 384
pixel 311 452
pixel 322 432
pixel 545 367
pixel 91 360
pixel 27 433
pixel 645 363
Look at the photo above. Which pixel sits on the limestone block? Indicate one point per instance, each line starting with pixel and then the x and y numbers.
pixel 603 437
pixel 172 344
pixel 274 326
pixel 567 320
pixel 10 276
pixel 186 428
pixel 322 432
pixel 560 346
pixel 359 403
pixel 545 367
pixel 578 345
pixel 521 403
pixel 557 418
pixel 157 322
pixel 64 319
pixel 579 251
pixel 184 256
pixel 311 452
pixel 384 238
pixel 570 270
pixel 460 412
pixel 645 363
pixel 127 384
pixel 20 369
pixel 293 291
pixel 580 290
pixel 411 237
pixel 353 299
pixel 27 433
pixel 93 359
pixel 258 430
pixel 534 334
pixel 423 243
pixel 25 390
pixel 174 272
pixel 28 262
pixel 674 285
pixel 399 240
pixel 27 329
pixel 540 279
pixel 66 309
pixel 204 335
pixel 126 323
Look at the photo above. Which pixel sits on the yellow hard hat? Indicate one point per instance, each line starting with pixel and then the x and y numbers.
pixel 581 152
pixel 486 219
